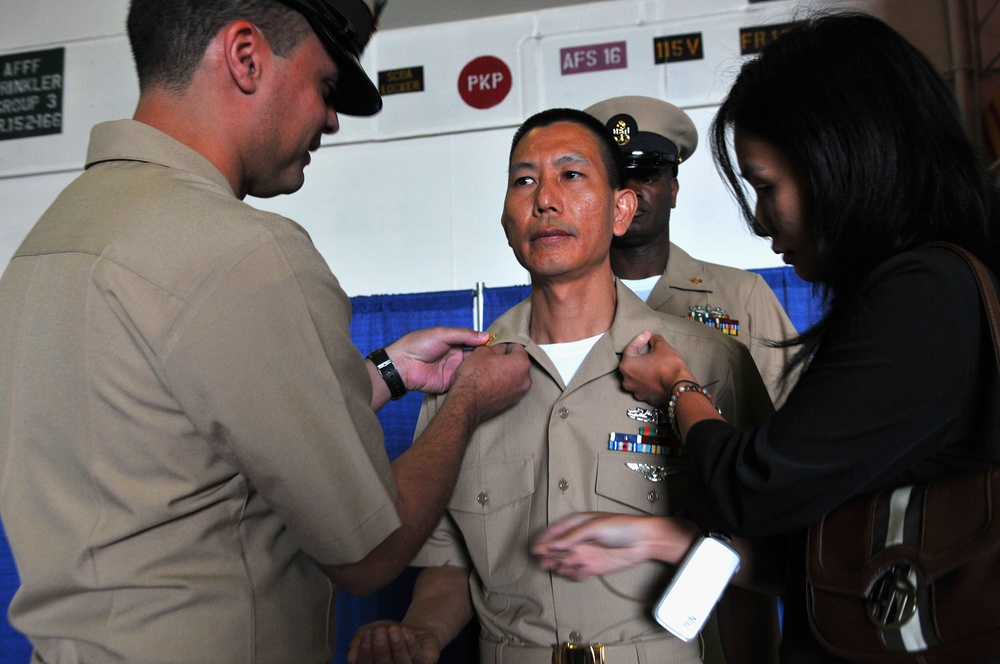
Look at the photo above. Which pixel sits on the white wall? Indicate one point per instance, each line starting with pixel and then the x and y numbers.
pixel 409 201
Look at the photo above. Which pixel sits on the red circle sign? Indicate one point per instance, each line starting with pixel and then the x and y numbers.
pixel 484 82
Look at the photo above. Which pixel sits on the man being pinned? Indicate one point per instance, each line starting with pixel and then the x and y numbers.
pixel 576 442
pixel 655 137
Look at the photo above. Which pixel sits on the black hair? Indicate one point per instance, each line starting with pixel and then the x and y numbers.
pixel 610 154
pixel 880 139
pixel 169 37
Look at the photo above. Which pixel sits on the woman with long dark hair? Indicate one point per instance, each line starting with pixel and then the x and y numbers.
pixel 853 147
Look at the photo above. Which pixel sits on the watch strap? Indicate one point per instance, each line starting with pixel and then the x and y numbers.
pixel 389 373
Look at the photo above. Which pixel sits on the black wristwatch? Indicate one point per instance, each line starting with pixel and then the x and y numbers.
pixel 389 373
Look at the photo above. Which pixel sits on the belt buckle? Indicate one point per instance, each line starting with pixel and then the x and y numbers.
pixel 578 653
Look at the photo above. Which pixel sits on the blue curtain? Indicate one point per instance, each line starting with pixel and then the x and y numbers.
pixel 801 302
pixel 376 321
pixel 379 320
pixel 498 300
pixel 13 646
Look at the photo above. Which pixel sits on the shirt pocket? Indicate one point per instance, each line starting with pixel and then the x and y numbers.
pixel 491 506
pixel 625 490
pixel 655 484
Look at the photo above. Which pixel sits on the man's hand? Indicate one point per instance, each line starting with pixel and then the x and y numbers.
pixel 491 380
pixel 427 359
pixel 440 607
pixel 597 543
pixel 388 642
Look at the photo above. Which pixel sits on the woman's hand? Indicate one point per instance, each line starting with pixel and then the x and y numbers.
pixel 596 543
pixel 649 374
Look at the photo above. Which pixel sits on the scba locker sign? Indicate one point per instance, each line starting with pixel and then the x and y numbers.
pixel 484 82
pixel 31 87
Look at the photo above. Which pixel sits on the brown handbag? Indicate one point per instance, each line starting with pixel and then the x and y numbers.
pixel 912 575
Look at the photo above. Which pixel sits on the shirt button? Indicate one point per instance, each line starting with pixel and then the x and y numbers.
pixel 563 413
pixel 652 496
pixel 575 637
pixel 563 484
pixel 483 498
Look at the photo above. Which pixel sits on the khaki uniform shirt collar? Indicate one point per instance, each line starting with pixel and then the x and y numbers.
pixel 681 268
pixel 129 140
pixel 632 316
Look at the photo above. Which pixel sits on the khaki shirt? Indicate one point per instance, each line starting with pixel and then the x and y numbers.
pixel 744 296
pixel 185 425
pixel 547 457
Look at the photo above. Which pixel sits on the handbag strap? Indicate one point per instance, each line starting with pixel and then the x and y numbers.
pixel 987 291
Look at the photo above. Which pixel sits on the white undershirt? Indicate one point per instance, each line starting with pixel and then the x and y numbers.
pixel 641 287
pixel 568 356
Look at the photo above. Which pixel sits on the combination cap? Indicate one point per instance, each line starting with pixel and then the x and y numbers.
pixel 344 27
pixel 650 132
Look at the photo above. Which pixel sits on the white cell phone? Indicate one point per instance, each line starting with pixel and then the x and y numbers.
pixel 696 587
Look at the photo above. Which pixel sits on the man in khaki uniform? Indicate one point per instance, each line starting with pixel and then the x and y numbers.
pixel 190 461
pixel 655 137
pixel 576 442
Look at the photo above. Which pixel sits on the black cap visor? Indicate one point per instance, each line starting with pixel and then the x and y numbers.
pixel 649 150
pixel 345 30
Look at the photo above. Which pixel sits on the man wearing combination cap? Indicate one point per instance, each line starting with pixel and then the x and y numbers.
pixel 190 462
pixel 577 441
pixel 655 137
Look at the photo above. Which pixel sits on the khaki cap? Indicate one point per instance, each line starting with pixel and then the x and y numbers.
pixel 650 132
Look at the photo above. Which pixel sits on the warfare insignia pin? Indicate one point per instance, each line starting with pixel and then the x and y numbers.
pixel 651 416
pixel 653 473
